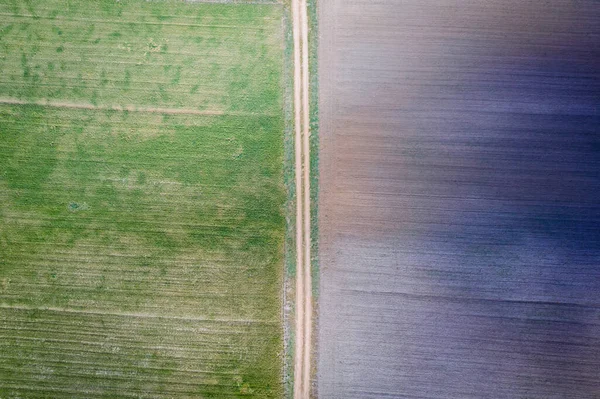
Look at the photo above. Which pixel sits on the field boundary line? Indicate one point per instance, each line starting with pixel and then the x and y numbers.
pixel 124 108
pixel 129 22
pixel 129 314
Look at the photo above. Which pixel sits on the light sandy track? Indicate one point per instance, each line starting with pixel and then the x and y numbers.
pixel 302 153
pixel 299 331
pixel 306 177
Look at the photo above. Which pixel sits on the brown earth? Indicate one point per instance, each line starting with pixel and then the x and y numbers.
pixel 459 199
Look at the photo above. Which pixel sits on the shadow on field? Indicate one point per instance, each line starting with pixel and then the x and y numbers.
pixel 460 200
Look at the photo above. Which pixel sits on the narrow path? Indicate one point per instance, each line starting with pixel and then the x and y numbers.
pixel 307 219
pixel 303 329
pixel 299 330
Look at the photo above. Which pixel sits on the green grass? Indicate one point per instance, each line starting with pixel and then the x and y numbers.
pixel 289 178
pixel 201 56
pixel 141 253
pixel 313 39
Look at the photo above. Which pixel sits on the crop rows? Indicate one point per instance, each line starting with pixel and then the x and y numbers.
pixel 141 199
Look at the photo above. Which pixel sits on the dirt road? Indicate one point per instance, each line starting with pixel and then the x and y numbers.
pixel 303 240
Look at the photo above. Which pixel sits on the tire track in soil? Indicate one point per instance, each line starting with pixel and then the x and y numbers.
pixel 303 329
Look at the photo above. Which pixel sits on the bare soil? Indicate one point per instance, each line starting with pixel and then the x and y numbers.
pixel 459 192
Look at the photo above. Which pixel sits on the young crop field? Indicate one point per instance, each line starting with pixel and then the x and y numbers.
pixel 142 199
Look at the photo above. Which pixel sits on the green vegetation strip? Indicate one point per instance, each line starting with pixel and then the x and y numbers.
pixel 141 253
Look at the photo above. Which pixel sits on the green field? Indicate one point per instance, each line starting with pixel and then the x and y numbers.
pixel 142 199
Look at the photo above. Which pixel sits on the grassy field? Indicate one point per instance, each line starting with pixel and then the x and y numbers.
pixel 141 199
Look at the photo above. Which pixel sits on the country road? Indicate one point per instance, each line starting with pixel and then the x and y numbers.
pixel 303 320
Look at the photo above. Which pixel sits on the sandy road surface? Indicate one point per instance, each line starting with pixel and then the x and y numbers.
pixel 303 240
